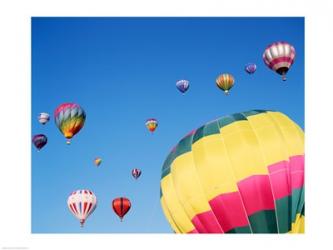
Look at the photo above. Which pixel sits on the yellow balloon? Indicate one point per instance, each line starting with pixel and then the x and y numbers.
pixel 242 173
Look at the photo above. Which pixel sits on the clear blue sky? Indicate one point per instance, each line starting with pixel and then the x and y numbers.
pixel 123 71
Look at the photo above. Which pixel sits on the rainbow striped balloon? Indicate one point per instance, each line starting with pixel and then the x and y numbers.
pixel 151 124
pixel 242 173
pixel 69 118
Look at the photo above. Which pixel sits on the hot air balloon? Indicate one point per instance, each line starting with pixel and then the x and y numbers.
pixel 43 118
pixel 279 56
pixel 242 173
pixel 250 68
pixel 225 82
pixel 69 118
pixel 151 124
pixel 121 206
pixel 183 85
pixel 136 173
pixel 82 203
pixel 97 161
pixel 39 141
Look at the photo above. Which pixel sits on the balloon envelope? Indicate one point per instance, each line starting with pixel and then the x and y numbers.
pixel 81 204
pixel 97 161
pixel 69 118
pixel 250 68
pixel 225 82
pixel 121 206
pixel 43 118
pixel 136 173
pixel 151 124
pixel 242 173
pixel 279 56
pixel 39 141
pixel 183 85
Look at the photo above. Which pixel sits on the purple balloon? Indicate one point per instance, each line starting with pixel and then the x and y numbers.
pixel 39 141
pixel 250 68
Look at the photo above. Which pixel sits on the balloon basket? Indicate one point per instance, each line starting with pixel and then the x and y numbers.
pixel 68 142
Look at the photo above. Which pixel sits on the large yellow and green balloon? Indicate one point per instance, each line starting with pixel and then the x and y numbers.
pixel 69 118
pixel 242 173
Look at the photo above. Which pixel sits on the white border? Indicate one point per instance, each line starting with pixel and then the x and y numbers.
pixel 15 121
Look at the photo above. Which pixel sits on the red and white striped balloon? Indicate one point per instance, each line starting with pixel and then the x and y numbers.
pixel 279 56
pixel 82 203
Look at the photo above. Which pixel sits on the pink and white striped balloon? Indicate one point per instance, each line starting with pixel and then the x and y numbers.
pixel 279 56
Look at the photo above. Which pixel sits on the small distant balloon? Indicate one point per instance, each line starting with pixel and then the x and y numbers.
pixel 97 161
pixel 225 82
pixel 151 124
pixel 69 118
pixel 136 173
pixel 82 204
pixel 39 141
pixel 121 206
pixel 250 68
pixel 183 85
pixel 43 118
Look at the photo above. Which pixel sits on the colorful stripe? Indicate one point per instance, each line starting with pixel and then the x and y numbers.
pixel 229 211
pixel 256 194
